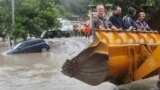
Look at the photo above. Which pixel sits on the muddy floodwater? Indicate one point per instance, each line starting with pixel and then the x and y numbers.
pixel 42 71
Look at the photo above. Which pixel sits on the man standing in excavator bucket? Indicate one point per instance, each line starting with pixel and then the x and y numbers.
pixel 100 22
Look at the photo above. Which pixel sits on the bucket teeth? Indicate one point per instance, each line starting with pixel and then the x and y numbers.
pixel 89 66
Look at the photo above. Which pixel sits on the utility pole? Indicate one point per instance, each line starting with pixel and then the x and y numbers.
pixel 13 22
pixel 13 19
pixel 13 11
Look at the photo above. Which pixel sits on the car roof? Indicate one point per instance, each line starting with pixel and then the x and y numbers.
pixel 33 40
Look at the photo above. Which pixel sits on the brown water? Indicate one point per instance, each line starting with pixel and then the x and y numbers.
pixel 42 71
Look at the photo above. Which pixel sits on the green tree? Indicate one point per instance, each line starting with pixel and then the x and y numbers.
pixel 5 16
pixel 63 13
pixel 35 16
pixel 75 7
pixel 32 16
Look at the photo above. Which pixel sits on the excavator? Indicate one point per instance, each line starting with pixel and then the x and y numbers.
pixel 119 57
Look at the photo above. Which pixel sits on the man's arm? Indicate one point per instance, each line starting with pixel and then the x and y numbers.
pixel 138 25
pixel 126 22
pixel 112 23
pixel 114 28
pixel 95 23
pixel 147 26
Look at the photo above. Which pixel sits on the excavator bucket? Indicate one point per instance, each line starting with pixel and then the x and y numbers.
pixel 116 56
pixel 89 66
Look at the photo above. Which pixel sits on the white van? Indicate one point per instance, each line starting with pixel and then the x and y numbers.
pixel 66 26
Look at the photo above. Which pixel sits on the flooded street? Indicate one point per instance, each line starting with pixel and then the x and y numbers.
pixel 42 71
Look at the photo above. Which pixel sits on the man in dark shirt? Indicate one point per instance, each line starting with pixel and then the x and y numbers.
pixel 116 19
pixel 100 22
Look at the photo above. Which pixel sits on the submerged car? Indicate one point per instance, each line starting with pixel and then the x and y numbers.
pixel 51 34
pixel 54 34
pixel 30 46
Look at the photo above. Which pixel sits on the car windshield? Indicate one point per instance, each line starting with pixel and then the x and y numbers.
pixel 18 45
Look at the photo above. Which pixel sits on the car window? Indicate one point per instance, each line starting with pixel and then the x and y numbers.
pixel 23 45
pixel 50 34
pixel 17 46
pixel 26 44
pixel 36 42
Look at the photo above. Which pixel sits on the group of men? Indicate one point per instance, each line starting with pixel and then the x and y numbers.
pixel 116 22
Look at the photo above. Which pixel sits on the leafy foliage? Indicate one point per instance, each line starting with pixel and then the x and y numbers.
pixel 32 16
pixel 36 16
pixel 5 16
pixel 75 7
